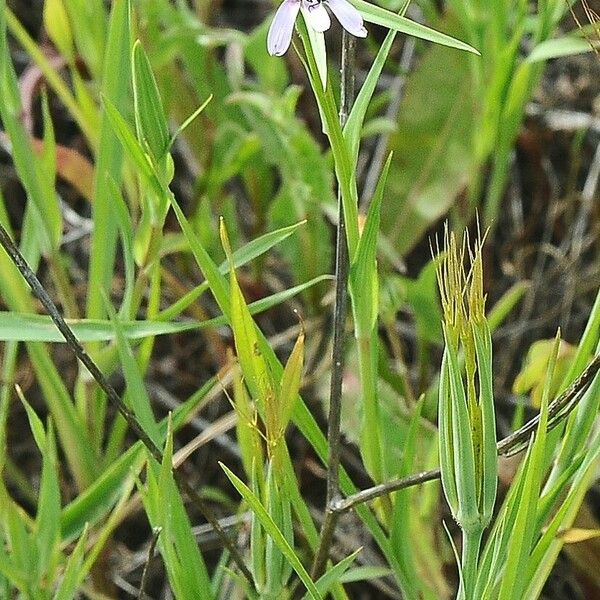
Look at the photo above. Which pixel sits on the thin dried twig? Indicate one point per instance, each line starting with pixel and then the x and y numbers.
pixel 146 571
pixel 339 334
pixel 73 343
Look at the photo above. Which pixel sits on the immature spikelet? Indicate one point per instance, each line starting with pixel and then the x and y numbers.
pixel 466 406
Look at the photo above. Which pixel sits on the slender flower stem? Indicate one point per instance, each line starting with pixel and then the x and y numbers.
pixel 73 343
pixel 339 335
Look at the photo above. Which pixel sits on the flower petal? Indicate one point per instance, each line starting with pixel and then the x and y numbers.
pixel 280 32
pixel 349 18
pixel 315 14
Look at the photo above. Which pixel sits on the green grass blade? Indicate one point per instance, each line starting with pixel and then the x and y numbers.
pixel 67 589
pixel 150 118
pixel 165 509
pixel 334 574
pixel 96 501
pixel 135 396
pixel 270 527
pixel 380 16
pixel 109 159
pixel 514 578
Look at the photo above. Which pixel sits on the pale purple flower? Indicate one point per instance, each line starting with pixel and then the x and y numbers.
pixel 280 32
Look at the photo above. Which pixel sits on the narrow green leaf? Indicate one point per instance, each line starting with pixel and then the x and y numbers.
pixel 97 500
pixel 188 121
pixel 67 589
pixel 274 558
pixel 133 148
pixel 246 339
pixel 253 249
pixel 150 119
pixel 290 382
pixel 56 22
pixel 136 395
pixel 364 574
pixel 317 41
pixel 354 124
pixel 364 285
pixel 302 415
pixel 257 540
pixel 273 531
pixel 514 579
pixel 109 157
pixel 165 509
pixel 47 521
pixel 380 16
pixel 35 423
pixel 40 328
pixel 334 574
pixel 464 457
pixel 125 226
pixel 562 46
pixel 483 349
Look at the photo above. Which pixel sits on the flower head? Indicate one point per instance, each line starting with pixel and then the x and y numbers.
pixel 280 32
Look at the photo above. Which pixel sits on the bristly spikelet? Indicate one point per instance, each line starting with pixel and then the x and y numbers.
pixel 466 405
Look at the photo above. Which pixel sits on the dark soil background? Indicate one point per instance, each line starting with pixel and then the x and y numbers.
pixel 549 235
